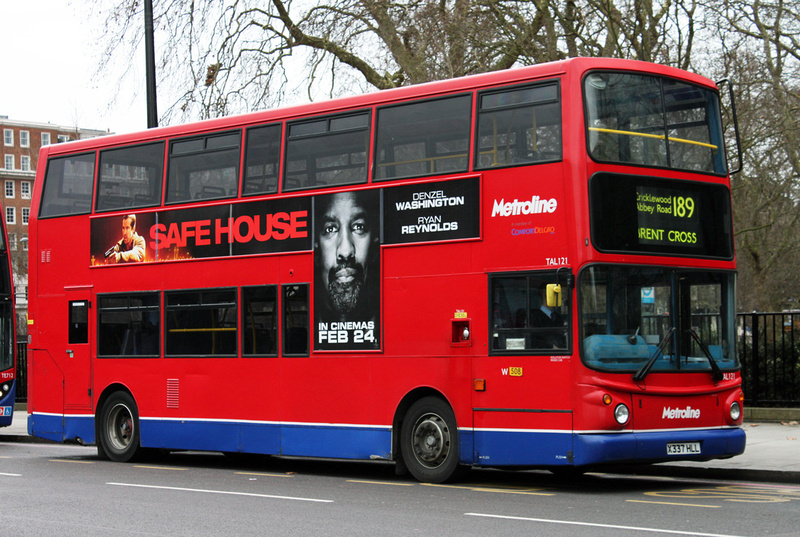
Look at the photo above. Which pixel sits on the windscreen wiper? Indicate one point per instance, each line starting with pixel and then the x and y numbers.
pixel 716 373
pixel 642 373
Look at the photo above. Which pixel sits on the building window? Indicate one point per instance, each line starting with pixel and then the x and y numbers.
pixel 45 138
pixel 11 215
pixel 9 162
pixel 25 190
pixel 63 138
pixel 26 214
pixel 8 137
pixel 12 241
pixel 24 243
pixel 24 139
pixel 9 189
pixel 25 163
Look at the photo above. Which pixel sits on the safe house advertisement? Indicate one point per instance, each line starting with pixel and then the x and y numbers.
pixel 344 229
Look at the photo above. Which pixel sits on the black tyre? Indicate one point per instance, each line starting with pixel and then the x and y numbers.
pixel 429 441
pixel 118 430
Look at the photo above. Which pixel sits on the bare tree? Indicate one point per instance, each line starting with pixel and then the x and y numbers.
pixel 251 54
pixel 761 52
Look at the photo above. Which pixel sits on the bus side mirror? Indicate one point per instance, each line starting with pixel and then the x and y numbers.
pixel 553 295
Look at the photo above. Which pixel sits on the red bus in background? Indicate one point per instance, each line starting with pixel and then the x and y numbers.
pixel 532 267
pixel 8 334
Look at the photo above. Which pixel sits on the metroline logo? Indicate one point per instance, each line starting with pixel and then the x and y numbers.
pixel 536 205
pixel 680 413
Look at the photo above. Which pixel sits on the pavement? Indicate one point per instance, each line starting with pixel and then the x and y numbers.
pixel 772 454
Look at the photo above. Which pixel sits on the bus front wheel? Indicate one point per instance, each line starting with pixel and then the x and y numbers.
pixel 429 441
pixel 118 434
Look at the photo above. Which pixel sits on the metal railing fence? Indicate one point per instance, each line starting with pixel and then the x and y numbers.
pixel 769 349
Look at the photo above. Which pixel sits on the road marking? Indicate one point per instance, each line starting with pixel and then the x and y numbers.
pixel 169 468
pixel 366 482
pixel 223 492
pixel 593 525
pixel 735 493
pixel 680 504
pixel 262 474
pixel 10 475
pixel 71 461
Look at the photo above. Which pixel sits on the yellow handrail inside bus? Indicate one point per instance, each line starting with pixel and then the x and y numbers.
pixel 431 160
pixel 659 136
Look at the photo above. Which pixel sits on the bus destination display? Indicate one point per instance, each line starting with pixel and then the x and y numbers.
pixel 667 217
pixel 653 215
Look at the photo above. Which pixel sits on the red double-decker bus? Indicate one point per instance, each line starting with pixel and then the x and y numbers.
pixel 8 334
pixel 532 267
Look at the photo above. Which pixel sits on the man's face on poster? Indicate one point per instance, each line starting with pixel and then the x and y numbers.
pixel 127 229
pixel 344 243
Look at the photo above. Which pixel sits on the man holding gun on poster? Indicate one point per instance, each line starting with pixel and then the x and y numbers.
pixel 131 247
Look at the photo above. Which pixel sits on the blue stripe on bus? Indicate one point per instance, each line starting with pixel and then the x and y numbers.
pixel 652 446
pixel 524 448
pixel 7 405
pixel 485 447
pixel 62 428
pixel 303 440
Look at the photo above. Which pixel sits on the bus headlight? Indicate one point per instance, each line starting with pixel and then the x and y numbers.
pixel 736 411
pixel 622 414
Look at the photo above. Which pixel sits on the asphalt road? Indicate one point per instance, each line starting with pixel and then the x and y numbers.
pixel 53 489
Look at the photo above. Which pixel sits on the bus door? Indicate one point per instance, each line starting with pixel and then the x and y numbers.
pixel 522 399
pixel 76 357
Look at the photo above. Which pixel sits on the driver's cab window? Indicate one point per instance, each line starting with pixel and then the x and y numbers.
pixel 524 319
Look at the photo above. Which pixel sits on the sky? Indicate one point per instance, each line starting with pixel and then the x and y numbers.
pixel 51 76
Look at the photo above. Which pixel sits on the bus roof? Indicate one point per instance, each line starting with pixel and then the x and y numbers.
pixel 331 106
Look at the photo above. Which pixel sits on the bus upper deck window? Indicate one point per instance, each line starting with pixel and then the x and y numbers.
pixel 519 126
pixel 423 138
pixel 204 168
pixel 262 160
pixel 130 177
pixel 68 186
pixel 653 121
pixel 327 151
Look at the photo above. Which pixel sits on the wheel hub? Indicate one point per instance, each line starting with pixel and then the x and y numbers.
pixel 431 440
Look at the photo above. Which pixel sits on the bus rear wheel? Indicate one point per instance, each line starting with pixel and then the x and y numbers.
pixel 118 434
pixel 429 441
